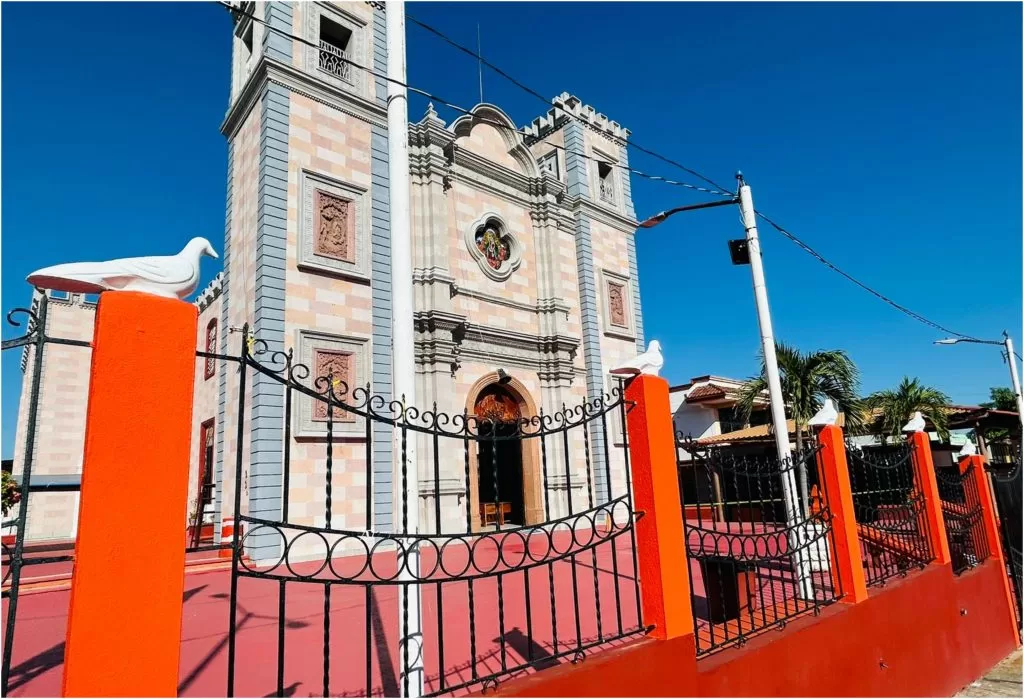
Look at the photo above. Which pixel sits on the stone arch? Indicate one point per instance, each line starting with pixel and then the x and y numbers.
pixel 533 495
pixel 494 118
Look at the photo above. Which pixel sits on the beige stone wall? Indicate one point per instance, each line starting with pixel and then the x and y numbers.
pixel 60 420
pixel 204 404
pixel 331 144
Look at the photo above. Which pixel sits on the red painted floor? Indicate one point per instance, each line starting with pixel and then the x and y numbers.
pixel 39 640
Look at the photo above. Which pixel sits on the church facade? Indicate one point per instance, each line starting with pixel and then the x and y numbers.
pixel 524 262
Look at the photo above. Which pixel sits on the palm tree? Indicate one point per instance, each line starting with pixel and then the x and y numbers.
pixel 807 380
pixel 895 407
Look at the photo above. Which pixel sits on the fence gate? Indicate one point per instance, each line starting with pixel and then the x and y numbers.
pixel 326 614
pixel 889 505
pixel 962 515
pixel 1006 482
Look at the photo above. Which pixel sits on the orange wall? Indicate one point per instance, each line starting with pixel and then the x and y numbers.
pixel 929 634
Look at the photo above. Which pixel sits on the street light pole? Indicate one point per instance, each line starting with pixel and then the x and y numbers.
pixel 1011 359
pixel 793 498
pixel 1007 345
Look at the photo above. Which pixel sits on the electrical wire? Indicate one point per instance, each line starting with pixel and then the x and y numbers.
pixel 535 93
pixel 545 100
pixel 462 110
pixel 821 258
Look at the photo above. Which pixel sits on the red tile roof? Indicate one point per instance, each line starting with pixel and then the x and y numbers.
pixel 705 393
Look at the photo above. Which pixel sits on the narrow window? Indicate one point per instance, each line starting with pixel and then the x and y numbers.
pixel 211 347
pixel 606 182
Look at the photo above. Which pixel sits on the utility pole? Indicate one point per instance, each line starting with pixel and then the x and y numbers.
pixel 793 498
pixel 403 361
pixel 1011 358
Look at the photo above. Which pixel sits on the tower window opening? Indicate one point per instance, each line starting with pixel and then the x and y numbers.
pixel 605 182
pixel 334 44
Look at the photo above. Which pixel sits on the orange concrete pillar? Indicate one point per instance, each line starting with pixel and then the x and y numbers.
pixel 991 523
pixel 124 623
pixel 661 543
pixel 924 475
pixel 846 564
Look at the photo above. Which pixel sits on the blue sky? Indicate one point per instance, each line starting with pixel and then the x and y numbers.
pixel 886 135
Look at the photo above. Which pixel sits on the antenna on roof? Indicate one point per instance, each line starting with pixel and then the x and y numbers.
pixel 479 62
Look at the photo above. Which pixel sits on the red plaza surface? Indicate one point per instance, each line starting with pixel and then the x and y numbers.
pixel 42 621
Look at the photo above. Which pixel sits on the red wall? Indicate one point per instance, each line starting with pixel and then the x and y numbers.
pixel 929 634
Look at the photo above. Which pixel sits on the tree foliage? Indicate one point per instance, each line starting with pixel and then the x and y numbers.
pixel 807 380
pixel 896 406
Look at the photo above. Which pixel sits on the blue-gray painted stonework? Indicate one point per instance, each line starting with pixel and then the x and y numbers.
pixel 275 44
pixel 576 181
pixel 267 416
pixel 222 367
pixel 634 270
pixel 380 276
pixel 380 287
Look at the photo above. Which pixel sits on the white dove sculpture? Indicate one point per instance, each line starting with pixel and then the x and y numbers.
pixel 916 423
pixel 649 362
pixel 826 416
pixel 968 449
pixel 171 276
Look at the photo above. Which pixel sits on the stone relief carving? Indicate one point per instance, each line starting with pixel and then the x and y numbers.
pixel 335 227
pixel 338 366
pixel 617 305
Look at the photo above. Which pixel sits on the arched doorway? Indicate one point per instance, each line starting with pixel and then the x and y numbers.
pixel 499 458
pixel 504 478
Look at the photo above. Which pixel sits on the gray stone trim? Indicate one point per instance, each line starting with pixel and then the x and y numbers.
pixel 380 55
pixel 576 176
pixel 381 477
pixel 634 272
pixel 626 182
pixel 275 44
pixel 222 369
pixel 634 269
pixel 267 418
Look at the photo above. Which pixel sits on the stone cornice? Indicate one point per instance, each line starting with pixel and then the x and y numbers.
pixel 446 338
pixel 274 71
pixel 603 214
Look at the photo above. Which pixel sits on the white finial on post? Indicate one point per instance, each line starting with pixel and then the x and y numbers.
pixel 649 362
pixel 916 423
pixel 826 416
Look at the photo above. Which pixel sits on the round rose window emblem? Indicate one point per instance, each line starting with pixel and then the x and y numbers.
pixel 494 248
pixel 497 251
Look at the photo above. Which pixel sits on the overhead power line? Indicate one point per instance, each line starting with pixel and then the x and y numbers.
pixel 463 110
pixel 821 258
pixel 529 90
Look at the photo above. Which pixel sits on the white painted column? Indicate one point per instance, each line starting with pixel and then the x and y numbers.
pixel 403 360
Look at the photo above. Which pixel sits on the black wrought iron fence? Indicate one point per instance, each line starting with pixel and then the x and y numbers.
pixel 35 344
pixel 758 555
pixel 1006 485
pixel 963 517
pixel 454 595
pixel 892 525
